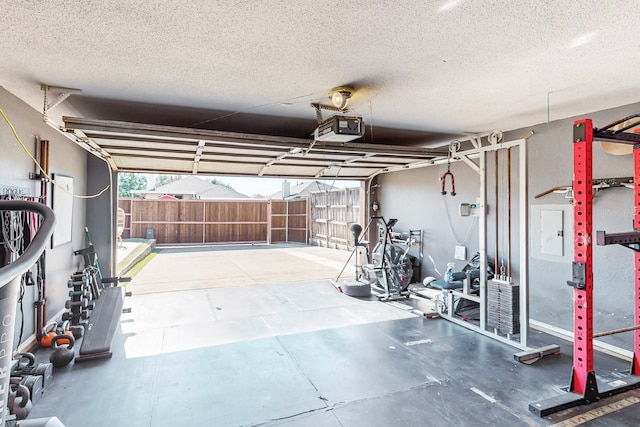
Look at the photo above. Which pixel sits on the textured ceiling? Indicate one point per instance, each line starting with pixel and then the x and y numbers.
pixel 425 67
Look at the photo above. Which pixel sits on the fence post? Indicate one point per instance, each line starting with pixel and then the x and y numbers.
pixel 269 221
pixel 204 221
pixel 306 221
pixel 286 223
pixel 131 210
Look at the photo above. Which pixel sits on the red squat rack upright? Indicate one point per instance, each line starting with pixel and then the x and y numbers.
pixel 584 388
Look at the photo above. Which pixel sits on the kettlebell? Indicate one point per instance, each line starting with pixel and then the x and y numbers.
pixel 48 332
pixel 63 329
pixel 20 408
pixel 28 357
pixel 62 354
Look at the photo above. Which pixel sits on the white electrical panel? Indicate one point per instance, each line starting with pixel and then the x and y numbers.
pixel 552 232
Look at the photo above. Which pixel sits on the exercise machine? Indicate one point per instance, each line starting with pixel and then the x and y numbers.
pixel 459 290
pixel 106 309
pixel 584 388
pixel 390 269
pixel 10 277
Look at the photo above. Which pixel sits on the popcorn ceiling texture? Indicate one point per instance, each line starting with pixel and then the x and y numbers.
pixel 442 66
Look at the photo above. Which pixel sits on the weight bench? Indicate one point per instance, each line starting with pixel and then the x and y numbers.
pixel 105 315
pixel 458 280
pixel 102 324
pixel 462 283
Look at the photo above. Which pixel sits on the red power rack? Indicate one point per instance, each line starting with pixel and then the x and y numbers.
pixel 584 388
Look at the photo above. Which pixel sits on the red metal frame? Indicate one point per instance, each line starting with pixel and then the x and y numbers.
pixel 583 376
pixel 584 388
pixel 635 367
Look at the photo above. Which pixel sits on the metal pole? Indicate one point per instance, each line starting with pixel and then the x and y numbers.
pixel 496 214
pixel 616 331
pixel 523 275
pixel 509 212
pixel 482 240
pixel 583 379
pixel 635 368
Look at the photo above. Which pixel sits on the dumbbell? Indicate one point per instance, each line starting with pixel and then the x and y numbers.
pixel 44 370
pixel 77 307
pixel 75 318
pixel 76 283
pixel 79 293
pixel 83 303
pixel 77 331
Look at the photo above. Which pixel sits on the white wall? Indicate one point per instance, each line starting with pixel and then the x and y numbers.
pixel 551 165
pixel 65 158
pixel 414 197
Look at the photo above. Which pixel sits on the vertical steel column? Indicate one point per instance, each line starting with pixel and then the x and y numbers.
pixel 482 240
pixel 523 274
pixel 583 380
pixel 635 367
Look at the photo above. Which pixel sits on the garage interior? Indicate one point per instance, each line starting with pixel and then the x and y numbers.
pixel 506 104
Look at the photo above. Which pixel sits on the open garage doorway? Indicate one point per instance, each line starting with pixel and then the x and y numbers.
pixel 214 236
pixel 177 209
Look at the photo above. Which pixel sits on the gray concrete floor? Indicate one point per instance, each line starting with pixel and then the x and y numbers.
pixel 299 353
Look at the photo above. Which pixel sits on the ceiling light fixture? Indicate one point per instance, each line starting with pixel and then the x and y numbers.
pixel 340 97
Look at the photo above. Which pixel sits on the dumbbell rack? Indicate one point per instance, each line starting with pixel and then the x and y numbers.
pixel 584 388
pixel 81 295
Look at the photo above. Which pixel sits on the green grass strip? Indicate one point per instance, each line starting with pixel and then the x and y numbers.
pixel 142 263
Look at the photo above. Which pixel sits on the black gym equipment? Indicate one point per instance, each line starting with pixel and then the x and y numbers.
pixel 62 354
pixel 102 325
pixel 34 376
pixel 10 277
pixel 390 269
pixel 34 384
pixel 106 306
pixel 94 307
pixel 19 401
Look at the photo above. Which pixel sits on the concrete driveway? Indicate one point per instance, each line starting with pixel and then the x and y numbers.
pixel 207 267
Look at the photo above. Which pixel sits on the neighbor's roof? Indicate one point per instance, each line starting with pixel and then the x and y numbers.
pixel 197 187
pixel 188 185
pixel 221 192
pixel 304 189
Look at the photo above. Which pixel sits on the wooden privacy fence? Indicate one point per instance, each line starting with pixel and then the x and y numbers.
pixel 217 221
pixel 332 213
